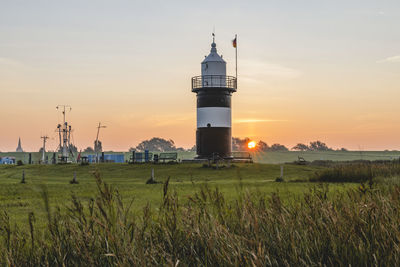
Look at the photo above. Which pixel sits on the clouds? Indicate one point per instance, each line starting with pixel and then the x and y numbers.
pixel 393 59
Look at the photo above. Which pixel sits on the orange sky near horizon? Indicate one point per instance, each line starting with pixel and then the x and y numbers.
pixel 335 119
pixel 321 71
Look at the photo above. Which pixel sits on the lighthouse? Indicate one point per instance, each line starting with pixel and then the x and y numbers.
pixel 214 116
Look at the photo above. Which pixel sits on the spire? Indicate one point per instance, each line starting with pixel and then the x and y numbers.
pixel 213 45
pixel 19 148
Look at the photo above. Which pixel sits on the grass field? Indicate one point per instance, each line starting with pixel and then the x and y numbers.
pixel 200 216
pixel 186 179
pixel 19 199
pixel 230 216
pixel 290 156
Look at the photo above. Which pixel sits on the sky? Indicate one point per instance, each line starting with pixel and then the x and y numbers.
pixel 307 70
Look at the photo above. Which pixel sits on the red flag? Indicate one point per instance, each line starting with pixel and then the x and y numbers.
pixel 234 42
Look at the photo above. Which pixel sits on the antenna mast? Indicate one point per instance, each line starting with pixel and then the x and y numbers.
pixel 64 132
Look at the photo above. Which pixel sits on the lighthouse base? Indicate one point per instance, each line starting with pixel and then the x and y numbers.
pixel 214 141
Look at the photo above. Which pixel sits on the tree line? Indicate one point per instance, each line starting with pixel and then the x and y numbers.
pixel 158 144
pixel 315 146
pixel 238 144
pixel 241 145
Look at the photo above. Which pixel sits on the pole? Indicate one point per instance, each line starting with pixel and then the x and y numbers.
pixel 96 142
pixel 44 148
pixel 236 57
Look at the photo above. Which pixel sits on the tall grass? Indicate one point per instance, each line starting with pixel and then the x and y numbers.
pixel 357 228
pixel 358 172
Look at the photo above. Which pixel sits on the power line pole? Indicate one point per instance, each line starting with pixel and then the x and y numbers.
pixel 96 142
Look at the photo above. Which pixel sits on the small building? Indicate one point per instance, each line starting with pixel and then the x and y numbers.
pixel 114 158
pixel 7 160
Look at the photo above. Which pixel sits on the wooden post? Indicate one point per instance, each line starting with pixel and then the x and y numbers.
pixel 152 180
pixel 74 181
pixel 23 177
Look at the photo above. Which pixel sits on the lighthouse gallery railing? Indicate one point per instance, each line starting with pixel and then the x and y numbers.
pixel 214 81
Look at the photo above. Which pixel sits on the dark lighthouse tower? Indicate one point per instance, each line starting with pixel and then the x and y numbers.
pixel 214 118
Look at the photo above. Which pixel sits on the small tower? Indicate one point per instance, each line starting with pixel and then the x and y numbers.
pixel 19 148
pixel 214 90
pixel 64 134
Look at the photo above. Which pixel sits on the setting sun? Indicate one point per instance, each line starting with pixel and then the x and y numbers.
pixel 251 144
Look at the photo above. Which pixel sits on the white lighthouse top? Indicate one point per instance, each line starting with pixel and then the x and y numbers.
pixel 213 64
pixel 213 56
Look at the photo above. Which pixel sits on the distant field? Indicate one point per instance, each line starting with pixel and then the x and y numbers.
pixel 245 201
pixel 186 179
pixel 19 199
pixel 290 156
pixel 265 157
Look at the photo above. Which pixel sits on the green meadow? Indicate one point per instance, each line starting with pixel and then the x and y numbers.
pixel 186 179
pixel 130 180
pixel 197 215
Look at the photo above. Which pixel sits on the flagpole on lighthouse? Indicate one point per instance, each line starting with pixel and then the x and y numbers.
pixel 236 54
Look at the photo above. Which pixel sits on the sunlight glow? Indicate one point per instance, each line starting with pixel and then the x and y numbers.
pixel 251 144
